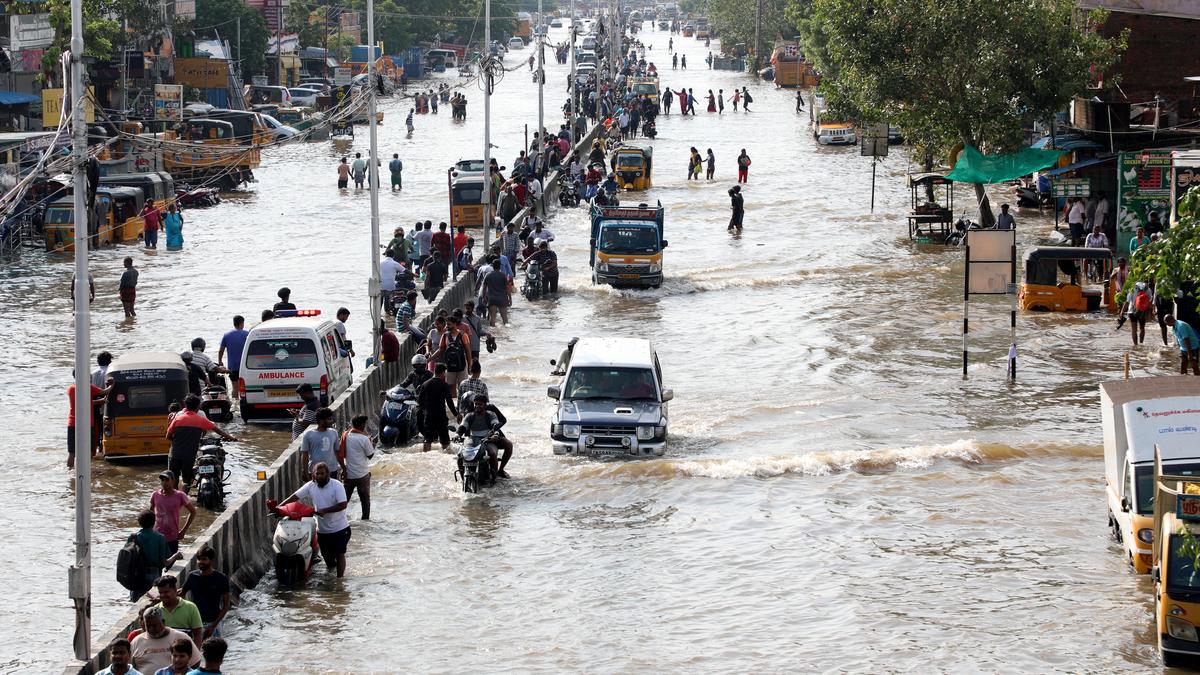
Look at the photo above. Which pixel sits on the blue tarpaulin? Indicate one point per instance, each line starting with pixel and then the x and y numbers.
pixel 15 98
pixel 975 167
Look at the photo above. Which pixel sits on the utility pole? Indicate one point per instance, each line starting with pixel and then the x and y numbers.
pixel 486 65
pixel 758 7
pixel 79 578
pixel 541 75
pixel 373 172
pixel 571 88
pixel 239 52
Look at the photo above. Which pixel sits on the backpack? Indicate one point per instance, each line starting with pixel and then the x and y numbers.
pixel 1142 302
pixel 455 357
pixel 748 98
pixel 131 565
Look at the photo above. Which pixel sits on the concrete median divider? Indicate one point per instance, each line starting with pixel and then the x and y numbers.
pixel 241 535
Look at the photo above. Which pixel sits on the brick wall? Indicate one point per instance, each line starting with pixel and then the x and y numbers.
pixel 1162 51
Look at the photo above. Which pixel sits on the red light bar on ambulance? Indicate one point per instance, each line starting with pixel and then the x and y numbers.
pixel 285 313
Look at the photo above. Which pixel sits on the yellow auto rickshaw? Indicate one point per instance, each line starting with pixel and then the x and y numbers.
pixel 125 208
pixel 633 165
pixel 59 225
pixel 1042 290
pixel 466 199
pixel 145 384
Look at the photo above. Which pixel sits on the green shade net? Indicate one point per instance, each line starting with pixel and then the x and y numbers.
pixel 975 167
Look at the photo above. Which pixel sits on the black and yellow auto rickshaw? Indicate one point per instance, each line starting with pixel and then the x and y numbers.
pixel 157 187
pixel 145 384
pixel 1054 276
pixel 59 224
pixel 466 199
pixel 124 211
pixel 633 166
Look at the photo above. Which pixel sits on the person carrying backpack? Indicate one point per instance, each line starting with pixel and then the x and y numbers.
pixel 454 350
pixel 747 99
pixel 1141 306
pixel 143 558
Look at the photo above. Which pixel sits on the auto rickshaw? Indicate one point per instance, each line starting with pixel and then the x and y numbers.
pixel 633 167
pixel 1176 567
pixel 1041 289
pixel 59 226
pixel 145 384
pixel 125 208
pixel 157 187
pixel 466 199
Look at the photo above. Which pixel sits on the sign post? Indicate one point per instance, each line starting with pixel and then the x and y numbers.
pixel 875 145
pixel 991 270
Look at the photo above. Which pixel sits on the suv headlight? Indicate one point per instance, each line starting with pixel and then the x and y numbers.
pixel 570 430
pixel 602 267
pixel 1146 535
pixel 1181 630
pixel 645 433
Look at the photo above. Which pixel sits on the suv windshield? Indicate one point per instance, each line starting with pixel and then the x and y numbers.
pixel 627 384
pixel 277 354
pixel 1144 476
pixel 629 240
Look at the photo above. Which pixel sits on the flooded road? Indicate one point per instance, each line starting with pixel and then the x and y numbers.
pixel 834 496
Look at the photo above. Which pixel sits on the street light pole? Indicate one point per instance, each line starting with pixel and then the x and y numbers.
pixel 486 64
pixel 79 578
pixel 373 172
pixel 572 88
pixel 541 74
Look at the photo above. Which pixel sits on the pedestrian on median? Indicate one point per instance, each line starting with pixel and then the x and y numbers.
pixel 435 277
pixel 181 653
pixel 424 241
pixel 155 556
pixel 152 649
pixel 343 170
pixel 743 162
pixel 307 414
pixel 389 344
pixel 234 343
pixel 208 589
pixel 150 218
pixel 396 167
pixel 214 655
pixel 737 207
pixel 180 614
pixel 167 502
pixel 355 456
pixel 127 288
pixel 120 658
pixel 1189 344
pixel 319 445
pixel 711 162
pixel 406 314
pixel 328 497
pixel 185 432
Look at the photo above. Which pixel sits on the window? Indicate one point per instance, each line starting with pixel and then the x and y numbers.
pixel 611 383
pixel 59 216
pixel 280 354
pixel 146 396
pixel 469 193
pixel 1144 478
pixel 629 240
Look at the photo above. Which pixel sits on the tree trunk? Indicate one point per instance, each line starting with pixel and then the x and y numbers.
pixel 927 163
pixel 986 219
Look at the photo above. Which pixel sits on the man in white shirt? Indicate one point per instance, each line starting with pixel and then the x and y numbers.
pixel 1100 215
pixel 100 375
pixel 424 239
pixel 328 498
pixel 542 232
pixel 1075 219
pixel 535 191
pixel 356 455
pixel 389 268
pixel 152 649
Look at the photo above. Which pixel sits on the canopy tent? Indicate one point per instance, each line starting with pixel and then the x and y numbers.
pixel 975 167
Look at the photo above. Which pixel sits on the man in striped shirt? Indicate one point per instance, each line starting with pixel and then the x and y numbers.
pixel 406 316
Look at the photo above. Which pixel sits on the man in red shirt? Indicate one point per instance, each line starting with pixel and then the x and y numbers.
pixel 150 218
pixel 442 243
pixel 184 432
pixel 99 398
pixel 389 344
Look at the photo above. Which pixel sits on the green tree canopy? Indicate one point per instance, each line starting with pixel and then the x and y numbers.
pixel 219 17
pixel 971 72
pixel 102 33
pixel 1175 258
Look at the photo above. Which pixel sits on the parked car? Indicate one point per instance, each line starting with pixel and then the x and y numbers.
pixel 278 130
pixel 303 97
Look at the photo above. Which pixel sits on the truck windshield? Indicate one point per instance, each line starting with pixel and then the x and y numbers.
pixel 1183 579
pixel 629 240
pixel 629 160
pixel 1144 477
pixel 626 384
pixel 277 354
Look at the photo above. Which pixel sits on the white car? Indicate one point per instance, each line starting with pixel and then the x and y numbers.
pixel 516 43
pixel 303 97
pixel 279 130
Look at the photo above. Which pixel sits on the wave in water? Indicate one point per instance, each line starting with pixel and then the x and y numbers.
pixel 882 460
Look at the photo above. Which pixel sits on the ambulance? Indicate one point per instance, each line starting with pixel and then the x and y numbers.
pixel 294 348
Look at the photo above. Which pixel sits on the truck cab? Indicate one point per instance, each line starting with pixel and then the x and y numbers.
pixel 1140 415
pixel 611 401
pixel 627 245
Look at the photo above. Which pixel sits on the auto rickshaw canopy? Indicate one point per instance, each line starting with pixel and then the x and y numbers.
pixel 1042 263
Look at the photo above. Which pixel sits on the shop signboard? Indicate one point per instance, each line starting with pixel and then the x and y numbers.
pixel 52 103
pixel 168 102
pixel 1143 186
pixel 202 73
pixel 1071 187
pixel 29 31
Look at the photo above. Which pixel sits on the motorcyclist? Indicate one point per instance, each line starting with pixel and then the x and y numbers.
pixel 197 376
pixel 213 372
pixel 483 410
pixel 419 375
pixel 547 261
pixel 610 185
pixel 564 358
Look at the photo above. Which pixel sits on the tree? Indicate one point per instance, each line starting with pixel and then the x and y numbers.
pixel 969 72
pixel 735 20
pixel 1174 260
pixel 220 17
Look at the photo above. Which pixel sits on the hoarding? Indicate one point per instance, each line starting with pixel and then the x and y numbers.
pixel 1143 185
pixel 202 73
pixel 52 103
pixel 29 31
pixel 168 101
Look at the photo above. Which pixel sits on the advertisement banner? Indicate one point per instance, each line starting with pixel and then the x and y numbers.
pixel 1143 185
pixel 168 101
pixel 27 61
pixel 29 31
pixel 52 103
pixel 202 73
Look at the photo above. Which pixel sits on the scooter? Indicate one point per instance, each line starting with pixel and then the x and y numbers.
pixel 532 287
pixel 294 542
pixel 215 402
pixel 474 462
pixel 1030 198
pixel 397 417
pixel 211 474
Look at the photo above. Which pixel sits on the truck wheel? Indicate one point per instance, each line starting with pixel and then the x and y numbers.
pixel 1172 660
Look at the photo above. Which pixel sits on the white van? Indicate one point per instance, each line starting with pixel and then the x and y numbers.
pixel 1139 415
pixel 611 401
pixel 284 353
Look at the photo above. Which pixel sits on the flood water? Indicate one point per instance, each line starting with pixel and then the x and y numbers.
pixel 835 496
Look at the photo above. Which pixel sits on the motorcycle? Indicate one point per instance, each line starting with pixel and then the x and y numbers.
pixel 190 197
pixel 397 417
pixel 215 401
pixel 532 286
pixel 294 541
pixel 1030 198
pixel 474 462
pixel 211 474
pixel 568 195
